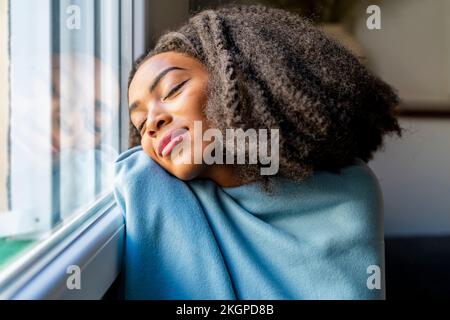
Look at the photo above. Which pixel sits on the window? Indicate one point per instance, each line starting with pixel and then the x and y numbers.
pixel 62 67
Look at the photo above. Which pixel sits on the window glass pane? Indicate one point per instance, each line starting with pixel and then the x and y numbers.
pixel 59 113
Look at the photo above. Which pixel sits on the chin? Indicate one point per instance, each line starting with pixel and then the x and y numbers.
pixel 186 172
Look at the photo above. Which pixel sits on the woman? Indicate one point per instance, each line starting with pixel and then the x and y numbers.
pixel 222 229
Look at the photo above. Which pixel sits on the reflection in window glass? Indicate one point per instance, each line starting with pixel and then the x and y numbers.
pixel 59 113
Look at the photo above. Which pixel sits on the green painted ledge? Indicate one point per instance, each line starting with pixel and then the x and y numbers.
pixel 9 249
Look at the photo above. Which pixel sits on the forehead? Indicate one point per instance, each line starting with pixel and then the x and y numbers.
pixel 157 63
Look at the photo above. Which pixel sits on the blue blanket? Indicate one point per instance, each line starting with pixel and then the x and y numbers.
pixel 316 239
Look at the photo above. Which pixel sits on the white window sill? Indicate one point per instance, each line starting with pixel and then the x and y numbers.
pixel 94 244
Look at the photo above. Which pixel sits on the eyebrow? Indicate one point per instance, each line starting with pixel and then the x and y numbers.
pixel 161 75
pixel 155 83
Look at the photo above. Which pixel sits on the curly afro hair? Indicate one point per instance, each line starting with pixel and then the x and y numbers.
pixel 270 68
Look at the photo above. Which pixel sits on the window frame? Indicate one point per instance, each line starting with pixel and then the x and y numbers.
pixel 93 239
pixel 41 272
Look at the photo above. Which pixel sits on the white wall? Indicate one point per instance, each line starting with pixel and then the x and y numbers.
pixel 412 53
pixel 412 49
pixel 414 173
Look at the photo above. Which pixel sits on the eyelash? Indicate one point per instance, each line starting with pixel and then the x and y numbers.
pixel 141 127
pixel 171 92
pixel 175 89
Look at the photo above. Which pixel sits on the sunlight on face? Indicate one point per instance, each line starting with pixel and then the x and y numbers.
pixel 167 94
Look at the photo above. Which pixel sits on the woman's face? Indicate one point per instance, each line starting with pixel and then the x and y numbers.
pixel 166 95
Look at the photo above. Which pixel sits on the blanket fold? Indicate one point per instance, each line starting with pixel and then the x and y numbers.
pixel 315 239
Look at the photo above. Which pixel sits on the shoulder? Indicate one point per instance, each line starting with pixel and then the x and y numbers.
pixel 131 158
pixel 135 161
pixel 353 192
pixel 135 171
pixel 356 179
pixel 361 181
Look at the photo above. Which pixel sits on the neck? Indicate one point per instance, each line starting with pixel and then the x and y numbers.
pixel 223 175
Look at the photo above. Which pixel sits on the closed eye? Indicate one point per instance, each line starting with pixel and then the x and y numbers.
pixel 171 93
pixel 175 89
pixel 141 127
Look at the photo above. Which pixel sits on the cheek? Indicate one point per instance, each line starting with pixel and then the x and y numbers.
pixel 192 102
pixel 148 148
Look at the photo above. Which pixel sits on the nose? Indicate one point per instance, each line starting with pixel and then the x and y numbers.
pixel 156 122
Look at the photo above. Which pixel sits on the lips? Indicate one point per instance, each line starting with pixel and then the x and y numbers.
pixel 170 140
